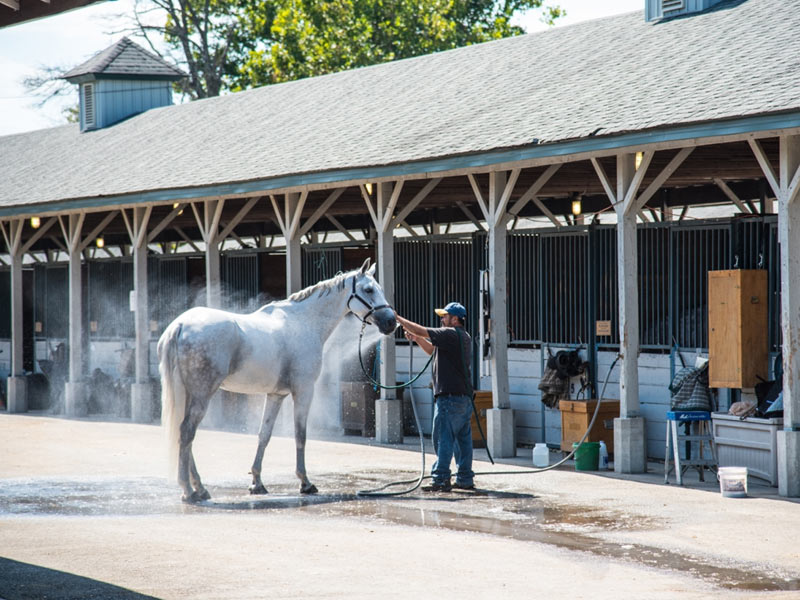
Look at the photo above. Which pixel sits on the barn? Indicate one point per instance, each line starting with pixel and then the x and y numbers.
pixel 576 186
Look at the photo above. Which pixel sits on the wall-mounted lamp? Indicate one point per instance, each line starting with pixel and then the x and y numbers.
pixel 100 242
pixel 576 206
pixel 638 159
pixel 36 222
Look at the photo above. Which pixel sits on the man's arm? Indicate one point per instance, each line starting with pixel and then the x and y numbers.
pixel 416 333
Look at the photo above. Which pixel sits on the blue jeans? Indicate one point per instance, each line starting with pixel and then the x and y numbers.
pixel 452 436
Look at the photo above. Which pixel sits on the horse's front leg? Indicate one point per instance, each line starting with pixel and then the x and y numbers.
pixel 302 404
pixel 272 405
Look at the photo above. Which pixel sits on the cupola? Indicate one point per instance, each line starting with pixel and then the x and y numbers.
pixel 121 81
pixel 665 9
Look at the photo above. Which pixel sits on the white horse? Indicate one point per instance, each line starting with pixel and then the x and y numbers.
pixel 277 350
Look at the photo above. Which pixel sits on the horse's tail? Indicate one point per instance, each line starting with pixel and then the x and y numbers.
pixel 173 394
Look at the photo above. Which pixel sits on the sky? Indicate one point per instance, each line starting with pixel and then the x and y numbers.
pixel 71 38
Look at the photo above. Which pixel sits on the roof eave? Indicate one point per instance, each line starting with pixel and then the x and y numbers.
pixel 698 134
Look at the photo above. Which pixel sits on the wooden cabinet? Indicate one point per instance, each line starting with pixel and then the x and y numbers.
pixel 737 328
pixel 576 416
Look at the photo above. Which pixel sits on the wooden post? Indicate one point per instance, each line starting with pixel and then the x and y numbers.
pixel 294 264
pixel 16 389
pixel 789 238
pixel 75 396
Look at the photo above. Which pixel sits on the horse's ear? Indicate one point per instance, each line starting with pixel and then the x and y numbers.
pixel 365 266
pixel 372 269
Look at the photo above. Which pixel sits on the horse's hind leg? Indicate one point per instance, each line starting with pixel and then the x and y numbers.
pixel 302 404
pixel 272 405
pixel 188 477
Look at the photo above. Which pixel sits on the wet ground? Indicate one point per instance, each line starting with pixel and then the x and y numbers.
pixel 83 515
pixel 505 514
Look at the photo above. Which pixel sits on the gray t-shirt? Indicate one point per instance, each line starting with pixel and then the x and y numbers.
pixel 448 365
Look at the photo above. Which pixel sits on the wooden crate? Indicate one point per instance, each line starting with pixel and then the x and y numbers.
pixel 575 418
pixel 737 328
pixel 483 402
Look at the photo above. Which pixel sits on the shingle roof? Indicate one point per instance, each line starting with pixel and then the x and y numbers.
pixel 125 59
pixel 602 77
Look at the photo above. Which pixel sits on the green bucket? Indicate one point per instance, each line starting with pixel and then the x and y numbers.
pixel 587 456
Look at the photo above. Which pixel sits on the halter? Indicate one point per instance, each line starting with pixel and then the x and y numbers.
pixel 372 309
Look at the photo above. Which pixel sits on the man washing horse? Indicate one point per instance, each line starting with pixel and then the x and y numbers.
pixel 452 432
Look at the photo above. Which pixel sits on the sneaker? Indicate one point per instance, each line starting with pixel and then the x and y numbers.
pixel 443 486
pixel 464 486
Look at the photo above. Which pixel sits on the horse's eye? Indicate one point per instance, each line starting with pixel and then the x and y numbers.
pixel 368 289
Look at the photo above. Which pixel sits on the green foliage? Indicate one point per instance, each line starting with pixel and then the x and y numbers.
pixel 283 40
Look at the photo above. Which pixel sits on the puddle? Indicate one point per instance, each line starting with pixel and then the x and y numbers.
pixel 510 515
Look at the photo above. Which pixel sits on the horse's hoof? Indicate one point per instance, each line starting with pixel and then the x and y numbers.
pixel 309 489
pixel 258 489
pixel 196 497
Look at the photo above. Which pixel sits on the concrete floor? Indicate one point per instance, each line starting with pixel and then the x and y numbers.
pixel 86 511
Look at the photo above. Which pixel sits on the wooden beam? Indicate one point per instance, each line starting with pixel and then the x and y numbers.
pixel 278 216
pixel 469 215
pixel 766 167
pixel 340 227
pixel 731 195
pixel 298 212
pixel 332 197
pixel 546 211
pixel 662 177
pixel 164 222
pixel 387 215
pixel 238 217
pixel 409 229
pixel 12 4
pixel 419 197
pixel 368 201
pixel 479 197
pixel 530 194
pixel 102 225
pixel 601 175
pixel 187 239
pixel 507 191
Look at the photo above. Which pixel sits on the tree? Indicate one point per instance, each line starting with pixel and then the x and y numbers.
pixel 304 38
pixel 198 32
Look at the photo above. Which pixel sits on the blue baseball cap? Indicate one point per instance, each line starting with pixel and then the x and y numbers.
pixel 454 308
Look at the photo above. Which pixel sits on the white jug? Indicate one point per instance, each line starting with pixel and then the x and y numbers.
pixel 541 455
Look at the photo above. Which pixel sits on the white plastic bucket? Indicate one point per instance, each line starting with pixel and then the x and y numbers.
pixel 733 481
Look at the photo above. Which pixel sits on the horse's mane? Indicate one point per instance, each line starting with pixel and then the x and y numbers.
pixel 323 287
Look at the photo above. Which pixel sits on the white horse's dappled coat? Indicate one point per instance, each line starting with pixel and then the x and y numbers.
pixel 276 350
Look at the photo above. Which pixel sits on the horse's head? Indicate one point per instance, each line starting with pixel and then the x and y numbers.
pixel 367 301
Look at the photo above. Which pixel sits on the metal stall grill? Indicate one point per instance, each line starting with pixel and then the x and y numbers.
pixel 523 287
pixel 653 250
pixel 412 293
pixel 108 284
pixel 320 263
pixel 603 254
pixel 696 250
pixel 51 300
pixel 239 275
pixel 564 298
pixel 171 297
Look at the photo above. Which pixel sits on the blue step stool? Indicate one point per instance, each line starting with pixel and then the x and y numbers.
pixel 697 429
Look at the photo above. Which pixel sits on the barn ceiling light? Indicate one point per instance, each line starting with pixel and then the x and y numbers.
pixel 639 157
pixel 369 188
pixel 100 242
pixel 35 222
pixel 576 206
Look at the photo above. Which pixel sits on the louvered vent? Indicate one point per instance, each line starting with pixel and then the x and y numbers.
pixel 88 105
pixel 671 5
